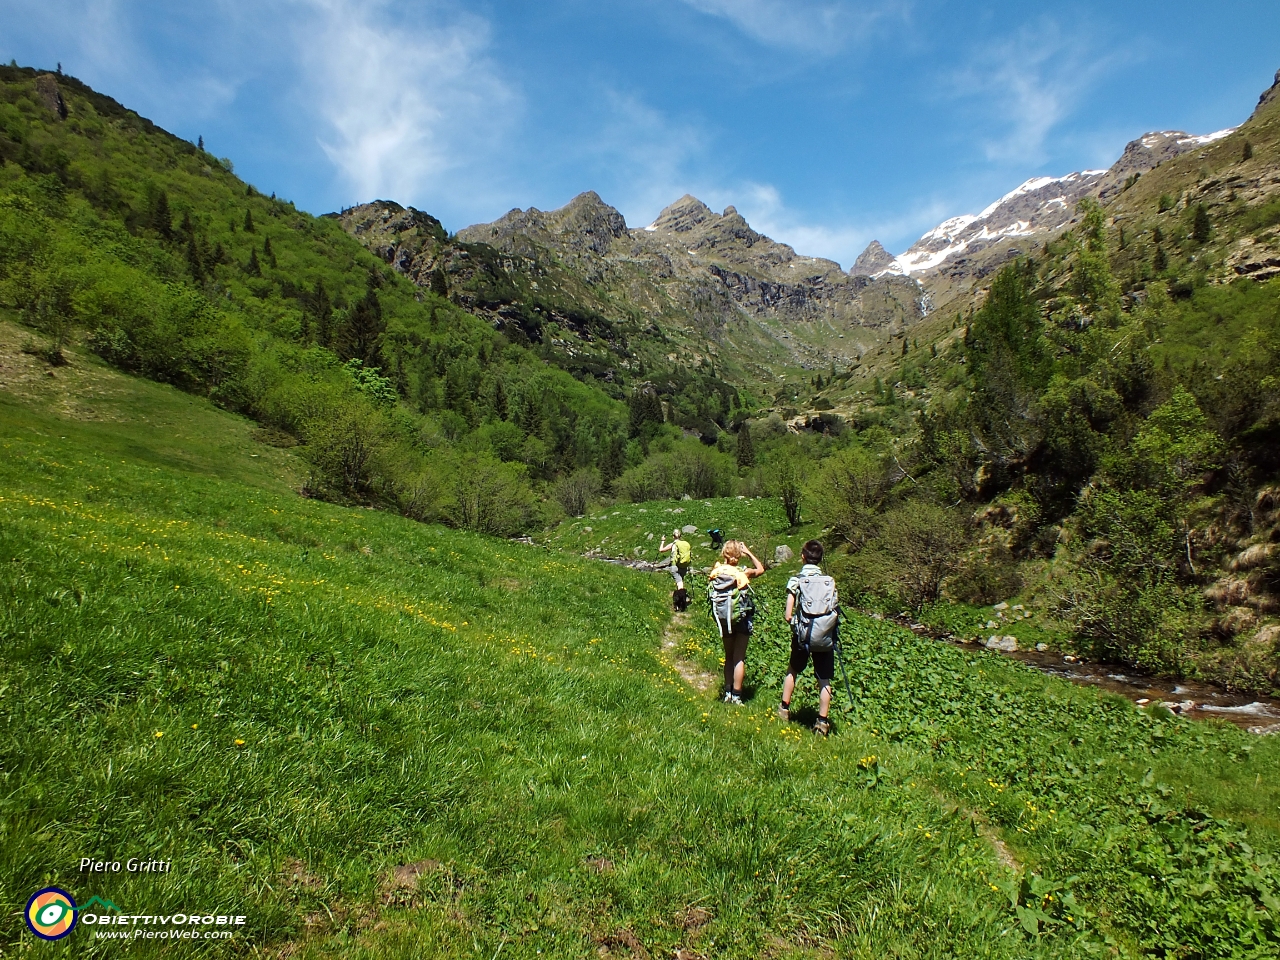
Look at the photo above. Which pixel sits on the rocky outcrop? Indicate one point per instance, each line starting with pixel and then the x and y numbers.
pixel 51 95
pixel 396 234
pixel 1269 96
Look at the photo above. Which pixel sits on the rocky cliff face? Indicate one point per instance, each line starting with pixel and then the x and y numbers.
pixel 703 278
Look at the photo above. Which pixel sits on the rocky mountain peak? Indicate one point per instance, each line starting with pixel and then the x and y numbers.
pixel 682 216
pixel 590 220
pixel 873 260
pixel 584 223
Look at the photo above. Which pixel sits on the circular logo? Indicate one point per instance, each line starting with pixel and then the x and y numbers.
pixel 51 913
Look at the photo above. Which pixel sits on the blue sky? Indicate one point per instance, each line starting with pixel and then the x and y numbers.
pixel 827 123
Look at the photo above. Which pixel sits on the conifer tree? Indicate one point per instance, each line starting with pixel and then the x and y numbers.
pixel 200 143
pixel 364 327
pixel 644 409
pixel 746 450
pixel 193 259
pixel 159 218
pixel 612 462
pixel 439 282
pixel 500 400
pixel 1160 262
pixel 1201 227
pixel 322 308
pixel 1010 362
pixel 1247 153
pixel 1157 236
pixel 267 253
pixel 248 221
pixel 253 268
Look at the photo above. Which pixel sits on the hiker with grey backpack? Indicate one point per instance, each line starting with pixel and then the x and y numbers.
pixel 813 611
pixel 733 608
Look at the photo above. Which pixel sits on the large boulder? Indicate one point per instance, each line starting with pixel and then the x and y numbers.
pixel 782 554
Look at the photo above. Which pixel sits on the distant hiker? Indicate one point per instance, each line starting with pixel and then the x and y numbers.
pixel 813 611
pixel 681 558
pixel 729 590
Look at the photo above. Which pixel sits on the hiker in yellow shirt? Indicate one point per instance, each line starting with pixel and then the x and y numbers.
pixel 681 559
pixel 681 556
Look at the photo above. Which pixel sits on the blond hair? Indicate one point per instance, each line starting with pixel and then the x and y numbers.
pixel 732 551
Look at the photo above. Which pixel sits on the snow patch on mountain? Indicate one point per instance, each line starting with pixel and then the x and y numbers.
pixel 1207 138
pixel 1040 206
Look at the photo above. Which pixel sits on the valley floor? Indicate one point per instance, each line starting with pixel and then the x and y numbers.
pixel 377 738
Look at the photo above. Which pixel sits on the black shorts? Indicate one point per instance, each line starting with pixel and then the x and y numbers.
pixel 824 662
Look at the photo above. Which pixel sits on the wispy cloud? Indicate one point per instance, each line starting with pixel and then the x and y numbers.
pixel 407 105
pixel 819 26
pixel 1026 86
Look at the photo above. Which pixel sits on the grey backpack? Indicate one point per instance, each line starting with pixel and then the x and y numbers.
pixel 732 607
pixel 817 613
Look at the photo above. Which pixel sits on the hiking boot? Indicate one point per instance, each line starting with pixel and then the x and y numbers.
pixel 822 727
pixel 731 697
pixel 783 713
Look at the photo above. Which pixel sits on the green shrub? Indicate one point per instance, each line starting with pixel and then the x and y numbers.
pixel 846 495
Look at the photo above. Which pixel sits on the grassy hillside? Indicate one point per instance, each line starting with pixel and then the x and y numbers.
pixel 382 738
pixel 150 251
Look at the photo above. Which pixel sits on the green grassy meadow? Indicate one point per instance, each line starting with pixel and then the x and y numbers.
pixel 634 530
pixel 378 738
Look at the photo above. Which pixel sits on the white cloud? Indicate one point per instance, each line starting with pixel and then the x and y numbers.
pixel 408 105
pixel 1025 87
pixel 822 26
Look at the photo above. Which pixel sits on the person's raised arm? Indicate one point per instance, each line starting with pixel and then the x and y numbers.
pixel 759 568
pixel 662 547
